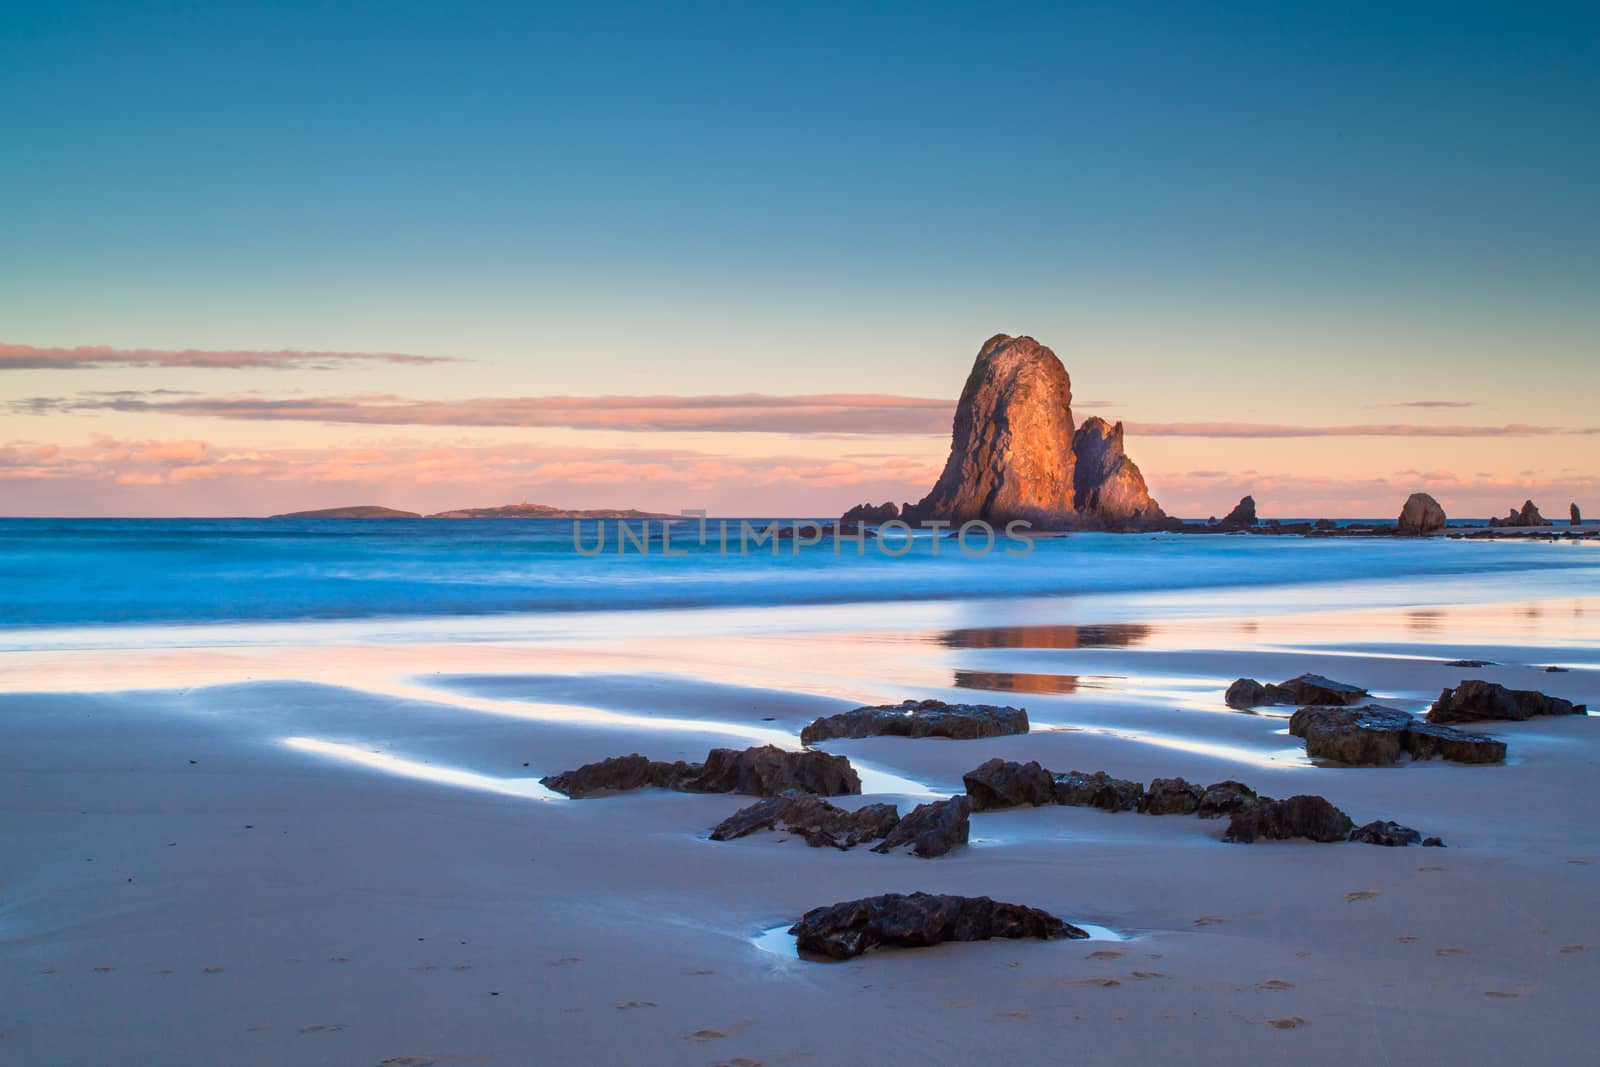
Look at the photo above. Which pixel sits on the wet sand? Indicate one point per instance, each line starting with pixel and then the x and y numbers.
pixel 326 844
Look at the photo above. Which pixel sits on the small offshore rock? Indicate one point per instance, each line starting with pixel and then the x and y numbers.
pixel 1475 700
pixel 1421 515
pixel 1171 796
pixel 931 829
pixel 924 718
pixel 1097 790
pixel 845 930
pixel 1002 783
pixel 1310 817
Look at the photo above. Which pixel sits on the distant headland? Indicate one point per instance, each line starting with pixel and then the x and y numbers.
pixel 504 511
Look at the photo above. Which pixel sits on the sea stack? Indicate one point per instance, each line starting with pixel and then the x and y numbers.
pixel 1015 453
pixel 1243 515
pixel 1421 514
pixel 1577 516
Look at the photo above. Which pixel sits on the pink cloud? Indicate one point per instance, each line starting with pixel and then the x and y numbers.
pixel 83 357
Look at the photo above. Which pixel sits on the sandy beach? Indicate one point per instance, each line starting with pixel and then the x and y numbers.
pixel 325 843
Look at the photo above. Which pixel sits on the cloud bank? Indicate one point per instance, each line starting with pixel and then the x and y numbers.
pixel 90 357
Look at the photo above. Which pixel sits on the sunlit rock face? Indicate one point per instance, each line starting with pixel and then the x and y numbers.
pixel 1014 453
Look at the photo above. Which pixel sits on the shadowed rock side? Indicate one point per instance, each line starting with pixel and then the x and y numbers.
pixel 811 818
pixel 1475 700
pixel 1014 453
pixel 925 718
pixel 931 829
pixel 1242 517
pixel 846 930
pixel 1575 516
pixel 764 772
pixel 1527 516
pixel 1280 820
pixel 870 514
pixel 1421 515
pixel 1307 689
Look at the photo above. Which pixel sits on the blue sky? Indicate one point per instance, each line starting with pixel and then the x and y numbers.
pixel 1212 212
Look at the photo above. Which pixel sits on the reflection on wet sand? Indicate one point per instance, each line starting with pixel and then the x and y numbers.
pixel 1116 635
pixel 1017 682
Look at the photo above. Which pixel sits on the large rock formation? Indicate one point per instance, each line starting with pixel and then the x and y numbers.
pixel 1374 735
pixel 1476 700
pixel 1014 453
pixel 1421 514
pixel 1577 516
pixel 1527 516
pixel 1243 515
pixel 852 927
pixel 1307 689
pixel 871 514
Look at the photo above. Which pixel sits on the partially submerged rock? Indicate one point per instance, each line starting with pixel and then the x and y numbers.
pixel 1097 790
pixel 1527 516
pixel 924 718
pixel 1476 700
pixel 1374 735
pixel 874 514
pixel 1307 689
pixel 931 829
pixel 1225 798
pixel 845 930
pixel 1281 820
pixel 1002 783
pixel 764 772
pixel 1171 796
pixel 1390 835
pixel 1421 515
pixel 810 817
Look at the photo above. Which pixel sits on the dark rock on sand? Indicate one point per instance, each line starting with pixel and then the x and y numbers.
pixel 926 718
pixel 1426 740
pixel 1421 514
pixel 1097 790
pixel 1225 798
pixel 1247 693
pixel 931 829
pixel 1002 783
pixel 845 930
pixel 1171 796
pixel 1389 834
pixel 810 817
pixel 1374 735
pixel 1242 517
pixel 1469 663
pixel 1280 820
pixel 1475 700
pixel 620 774
pixel 764 772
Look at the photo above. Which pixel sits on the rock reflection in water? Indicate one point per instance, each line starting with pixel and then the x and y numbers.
pixel 1015 682
pixel 1115 635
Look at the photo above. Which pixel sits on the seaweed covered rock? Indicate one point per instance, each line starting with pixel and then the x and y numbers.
pixel 931 829
pixel 924 718
pixel 1097 790
pixel 1002 783
pixel 847 929
pixel 810 817
pixel 1476 700
pixel 1309 817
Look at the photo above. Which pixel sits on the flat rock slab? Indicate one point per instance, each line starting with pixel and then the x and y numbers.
pixel 765 771
pixel 1391 835
pixel 916 920
pixel 810 817
pixel 1373 735
pixel 1282 820
pixel 1475 700
pixel 1307 689
pixel 925 718
pixel 931 829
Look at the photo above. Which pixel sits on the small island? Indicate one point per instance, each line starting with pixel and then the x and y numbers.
pixel 360 511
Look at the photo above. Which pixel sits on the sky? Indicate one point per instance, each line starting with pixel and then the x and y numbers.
pixel 257 258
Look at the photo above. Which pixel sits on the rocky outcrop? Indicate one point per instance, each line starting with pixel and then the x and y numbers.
pixel 924 718
pixel 810 817
pixel 931 829
pixel 1576 516
pixel 764 772
pixel 1307 689
pixel 1000 783
pixel 359 511
pixel 846 930
pixel 1242 517
pixel 870 514
pixel 1171 796
pixel 1527 516
pixel 1222 799
pixel 1475 700
pixel 1097 790
pixel 1391 835
pixel 1014 452
pixel 1374 735
pixel 1421 515
pixel 1280 820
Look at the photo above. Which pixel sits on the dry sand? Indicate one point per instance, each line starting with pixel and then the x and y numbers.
pixel 181 885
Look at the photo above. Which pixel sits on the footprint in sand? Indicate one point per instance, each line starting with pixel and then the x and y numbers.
pixel 564 960
pixel 1290 1023
pixel 628 1005
pixel 338 959
pixel 1013 1015
pixel 211 970
pixel 1449 952
pixel 738 1061
pixel 1014 963
pixel 1567 950
pixel 704 1035
pixel 427 967
pixel 320 1029
pixel 1106 954
pixel 407 1061
pixel 1360 894
pixel 104 970
pixel 1209 920
pixel 1580 863
pixel 1275 984
pixel 1104 983
pixel 1500 995
pixel 1146 974
pixel 462 967
pixel 1408 939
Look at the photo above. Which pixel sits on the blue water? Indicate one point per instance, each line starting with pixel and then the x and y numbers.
pixel 120 571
